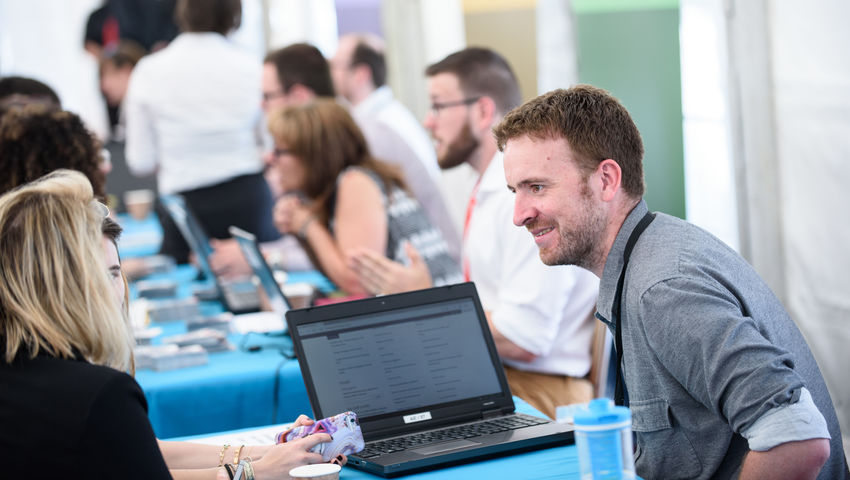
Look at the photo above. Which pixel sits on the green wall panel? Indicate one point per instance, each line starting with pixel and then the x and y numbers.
pixel 635 56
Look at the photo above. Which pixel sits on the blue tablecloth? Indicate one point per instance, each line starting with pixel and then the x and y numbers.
pixel 548 464
pixel 254 385
pixel 235 389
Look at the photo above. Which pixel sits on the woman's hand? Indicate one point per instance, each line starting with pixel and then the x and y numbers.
pixel 283 457
pixel 291 216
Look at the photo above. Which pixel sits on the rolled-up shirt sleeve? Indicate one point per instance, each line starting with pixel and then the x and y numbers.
pixel 796 421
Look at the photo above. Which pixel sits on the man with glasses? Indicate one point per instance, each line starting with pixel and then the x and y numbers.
pixel 539 316
pixel 295 75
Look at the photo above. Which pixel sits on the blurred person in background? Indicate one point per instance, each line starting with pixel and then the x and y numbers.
pixel 194 120
pixel 116 65
pixel 344 199
pixel 20 91
pixel 35 140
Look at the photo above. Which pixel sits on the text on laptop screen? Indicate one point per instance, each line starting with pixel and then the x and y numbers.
pixel 399 360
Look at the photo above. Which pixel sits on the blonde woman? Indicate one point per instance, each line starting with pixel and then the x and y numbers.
pixel 343 199
pixel 67 408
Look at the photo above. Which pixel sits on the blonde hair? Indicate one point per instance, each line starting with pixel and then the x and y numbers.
pixel 55 294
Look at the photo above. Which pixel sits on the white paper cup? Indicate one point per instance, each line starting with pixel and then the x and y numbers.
pixel 317 471
pixel 139 203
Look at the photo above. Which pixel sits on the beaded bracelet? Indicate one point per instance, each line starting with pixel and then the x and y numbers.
pixel 221 454
pixel 249 468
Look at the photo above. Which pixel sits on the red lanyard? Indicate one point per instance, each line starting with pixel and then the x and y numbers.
pixel 469 208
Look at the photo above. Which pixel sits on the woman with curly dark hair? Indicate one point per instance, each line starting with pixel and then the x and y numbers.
pixel 35 140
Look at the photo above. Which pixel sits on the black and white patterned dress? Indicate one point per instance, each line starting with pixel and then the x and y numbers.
pixel 407 222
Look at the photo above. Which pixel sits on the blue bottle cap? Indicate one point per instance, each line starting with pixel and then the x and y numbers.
pixel 601 412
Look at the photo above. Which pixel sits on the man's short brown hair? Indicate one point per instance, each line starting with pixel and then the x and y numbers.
pixel 481 72
pixel 219 16
pixel 302 64
pixel 595 125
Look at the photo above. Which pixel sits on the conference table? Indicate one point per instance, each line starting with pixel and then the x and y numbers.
pixel 237 395
pixel 550 463
pixel 257 383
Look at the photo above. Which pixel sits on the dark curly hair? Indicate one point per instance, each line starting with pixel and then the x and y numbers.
pixel 35 141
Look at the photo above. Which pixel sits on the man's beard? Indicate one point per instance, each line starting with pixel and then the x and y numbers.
pixel 460 149
pixel 578 242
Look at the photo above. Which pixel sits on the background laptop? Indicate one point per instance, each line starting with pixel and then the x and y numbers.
pixel 238 296
pixel 251 249
pixel 421 371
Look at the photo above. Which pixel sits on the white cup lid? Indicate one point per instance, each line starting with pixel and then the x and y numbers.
pixel 314 470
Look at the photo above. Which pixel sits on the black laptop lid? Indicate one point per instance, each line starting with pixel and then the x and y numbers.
pixel 251 249
pixel 191 230
pixel 402 362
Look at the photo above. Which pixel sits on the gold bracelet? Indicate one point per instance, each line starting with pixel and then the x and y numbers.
pixel 221 454
pixel 236 455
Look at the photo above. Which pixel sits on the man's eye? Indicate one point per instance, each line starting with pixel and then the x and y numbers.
pixel 536 188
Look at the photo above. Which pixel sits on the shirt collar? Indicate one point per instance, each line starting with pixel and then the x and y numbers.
pixel 375 102
pixel 493 178
pixel 614 261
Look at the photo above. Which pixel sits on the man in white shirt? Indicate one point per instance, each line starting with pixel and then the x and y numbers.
pixel 539 316
pixel 394 135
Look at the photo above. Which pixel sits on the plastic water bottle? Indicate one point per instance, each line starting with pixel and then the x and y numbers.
pixel 604 440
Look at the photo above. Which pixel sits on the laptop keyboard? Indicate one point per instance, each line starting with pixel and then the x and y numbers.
pixel 468 430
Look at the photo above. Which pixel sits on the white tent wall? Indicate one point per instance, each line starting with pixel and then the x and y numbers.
pixel 782 74
pixel 43 39
pixel 811 84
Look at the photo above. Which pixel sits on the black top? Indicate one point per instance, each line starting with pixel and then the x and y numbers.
pixel 71 419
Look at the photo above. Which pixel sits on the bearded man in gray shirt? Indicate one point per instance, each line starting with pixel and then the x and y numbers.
pixel 720 382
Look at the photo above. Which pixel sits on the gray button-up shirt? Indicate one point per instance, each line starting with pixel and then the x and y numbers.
pixel 707 350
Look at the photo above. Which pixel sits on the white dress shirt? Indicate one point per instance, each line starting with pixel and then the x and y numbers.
pixel 381 105
pixel 193 113
pixel 545 310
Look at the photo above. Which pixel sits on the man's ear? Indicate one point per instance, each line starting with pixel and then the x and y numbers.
pixel 301 94
pixel 484 113
pixel 610 177
pixel 363 74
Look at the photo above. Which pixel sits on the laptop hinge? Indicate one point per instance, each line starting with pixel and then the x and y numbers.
pixel 492 413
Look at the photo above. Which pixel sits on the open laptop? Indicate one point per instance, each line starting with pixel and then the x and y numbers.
pixel 422 373
pixel 238 296
pixel 251 249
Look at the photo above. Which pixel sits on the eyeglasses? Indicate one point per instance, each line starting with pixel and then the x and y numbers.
pixel 437 106
pixel 100 208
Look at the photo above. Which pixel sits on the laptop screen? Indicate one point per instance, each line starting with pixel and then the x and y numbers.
pixel 248 246
pixel 403 359
pixel 191 230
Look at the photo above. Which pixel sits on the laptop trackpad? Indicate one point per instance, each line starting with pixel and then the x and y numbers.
pixel 444 447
